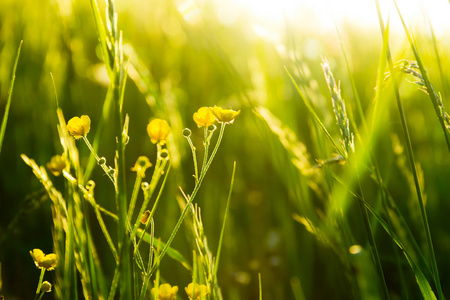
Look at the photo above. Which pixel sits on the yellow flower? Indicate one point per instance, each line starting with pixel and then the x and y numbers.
pixel 165 292
pixel 57 164
pixel 225 115
pixel 79 127
pixel 199 291
pixel 37 254
pixel 42 260
pixel 204 117
pixel 46 287
pixel 158 130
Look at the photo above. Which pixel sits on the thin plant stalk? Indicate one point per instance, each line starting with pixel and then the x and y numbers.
pixel 186 208
pixel 410 150
pixel 41 278
pixel 101 162
pixel 219 247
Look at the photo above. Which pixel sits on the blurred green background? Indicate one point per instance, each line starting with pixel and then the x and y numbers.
pixel 182 57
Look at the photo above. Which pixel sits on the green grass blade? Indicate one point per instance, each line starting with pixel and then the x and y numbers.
pixel 420 277
pixel 313 113
pixel 434 99
pixel 108 57
pixel 422 281
pixel 410 151
pixel 8 103
pixel 219 248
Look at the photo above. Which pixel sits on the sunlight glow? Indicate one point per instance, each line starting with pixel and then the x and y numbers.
pixel 322 15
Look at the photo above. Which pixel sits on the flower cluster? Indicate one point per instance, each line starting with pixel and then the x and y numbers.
pixel 168 292
pixel 206 116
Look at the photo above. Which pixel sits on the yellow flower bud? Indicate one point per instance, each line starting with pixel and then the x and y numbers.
pixel 46 287
pixel 225 115
pixel 194 293
pixel 158 130
pixel 204 117
pixel 79 127
pixel 142 164
pixel 145 216
pixel 165 292
pixel 41 260
pixel 57 164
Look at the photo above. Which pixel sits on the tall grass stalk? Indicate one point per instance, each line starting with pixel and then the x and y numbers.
pixel 373 160
pixel 348 143
pixel 408 140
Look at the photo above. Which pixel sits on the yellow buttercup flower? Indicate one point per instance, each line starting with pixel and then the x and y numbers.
pixel 158 130
pixel 204 117
pixel 165 292
pixel 199 291
pixel 79 127
pixel 57 164
pixel 225 115
pixel 37 254
pixel 44 261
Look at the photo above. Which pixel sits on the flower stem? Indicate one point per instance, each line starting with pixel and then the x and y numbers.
pixel 40 283
pixel 187 207
pixel 101 162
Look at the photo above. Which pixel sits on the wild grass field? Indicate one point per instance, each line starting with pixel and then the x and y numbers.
pixel 158 150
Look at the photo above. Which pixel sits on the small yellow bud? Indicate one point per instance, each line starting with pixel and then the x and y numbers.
pixel 79 127
pixel 165 292
pixel 225 115
pixel 145 216
pixel 197 291
pixel 158 130
pixel 42 260
pixel 46 287
pixel 204 117
pixel 57 164
pixel 142 164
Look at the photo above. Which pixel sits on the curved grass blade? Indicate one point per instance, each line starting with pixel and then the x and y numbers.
pixel 421 279
pixel 8 103
pixel 313 113
pixel 433 96
pixel 409 147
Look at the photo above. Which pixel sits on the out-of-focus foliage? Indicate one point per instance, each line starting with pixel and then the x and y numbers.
pixel 180 57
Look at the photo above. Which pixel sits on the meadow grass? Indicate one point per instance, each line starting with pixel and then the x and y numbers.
pixel 152 156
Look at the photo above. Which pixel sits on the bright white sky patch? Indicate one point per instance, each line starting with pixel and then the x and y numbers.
pixel 320 14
